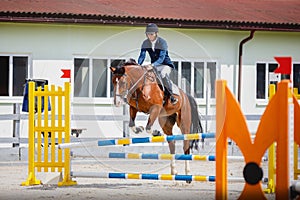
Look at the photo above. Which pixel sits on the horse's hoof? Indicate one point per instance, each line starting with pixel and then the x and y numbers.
pixel 156 133
pixel 139 129
pixel 174 172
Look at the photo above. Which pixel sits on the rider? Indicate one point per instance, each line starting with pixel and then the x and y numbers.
pixel 158 52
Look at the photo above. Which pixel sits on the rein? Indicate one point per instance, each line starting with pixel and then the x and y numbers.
pixel 133 86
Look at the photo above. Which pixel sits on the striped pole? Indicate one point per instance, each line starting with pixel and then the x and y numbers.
pixel 163 177
pixel 143 176
pixel 154 156
pixel 126 141
pixel 161 156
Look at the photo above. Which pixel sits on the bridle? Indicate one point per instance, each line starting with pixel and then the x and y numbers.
pixel 132 87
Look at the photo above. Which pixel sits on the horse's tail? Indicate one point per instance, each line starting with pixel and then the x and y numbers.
pixel 196 126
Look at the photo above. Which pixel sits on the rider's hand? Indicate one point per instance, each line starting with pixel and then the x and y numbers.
pixel 149 67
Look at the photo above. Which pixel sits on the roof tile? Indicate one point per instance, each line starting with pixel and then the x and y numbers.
pixel 253 11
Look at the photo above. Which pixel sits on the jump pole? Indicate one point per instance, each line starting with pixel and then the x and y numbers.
pixel 153 156
pixel 126 141
pixel 163 177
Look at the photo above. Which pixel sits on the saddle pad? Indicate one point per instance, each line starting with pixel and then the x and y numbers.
pixel 175 88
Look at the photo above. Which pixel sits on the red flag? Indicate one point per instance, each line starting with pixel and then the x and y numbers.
pixel 66 73
pixel 285 65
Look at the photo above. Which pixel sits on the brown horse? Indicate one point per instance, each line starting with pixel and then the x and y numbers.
pixel 139 87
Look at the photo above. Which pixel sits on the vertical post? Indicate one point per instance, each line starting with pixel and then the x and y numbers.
pixel 125 121
pixel 16 125
pixel 271 154
pixel 284 146
pixel 296 170
pixel 31 180
pixel 221 142
pixel 46 126
pixel 67 180
pixel 296 135
pixel 53 132
pixel 206 110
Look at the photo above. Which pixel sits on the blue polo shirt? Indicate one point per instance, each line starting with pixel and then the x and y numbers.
pixel 159 56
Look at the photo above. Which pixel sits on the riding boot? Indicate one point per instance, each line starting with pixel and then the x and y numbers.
pixel 168 87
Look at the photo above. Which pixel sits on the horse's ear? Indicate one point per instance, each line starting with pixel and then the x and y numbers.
pixel 113 69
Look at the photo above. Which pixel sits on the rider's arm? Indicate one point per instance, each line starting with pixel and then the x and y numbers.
pixel 161 58
pixel 142 56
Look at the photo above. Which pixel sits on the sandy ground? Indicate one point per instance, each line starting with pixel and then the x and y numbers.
pixel 13 173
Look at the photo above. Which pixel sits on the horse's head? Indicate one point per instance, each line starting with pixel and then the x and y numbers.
pixel 126 80
pixel 120 83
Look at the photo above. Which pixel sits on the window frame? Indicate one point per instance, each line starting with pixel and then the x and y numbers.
pixel 11 97
pixel 264 101
pixel 108 99
pixel 200 101
pixel 90 99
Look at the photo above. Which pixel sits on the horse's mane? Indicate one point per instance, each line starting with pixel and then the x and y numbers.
pixel 120 70
pixel 131 61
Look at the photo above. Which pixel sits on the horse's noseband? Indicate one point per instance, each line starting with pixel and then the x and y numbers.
pixel 125 93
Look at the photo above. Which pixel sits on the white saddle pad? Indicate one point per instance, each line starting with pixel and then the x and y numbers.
pixel 175 88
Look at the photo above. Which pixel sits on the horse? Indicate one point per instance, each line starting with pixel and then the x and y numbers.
pixel 140 87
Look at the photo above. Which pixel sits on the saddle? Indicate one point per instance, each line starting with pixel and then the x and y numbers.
pixel 159 81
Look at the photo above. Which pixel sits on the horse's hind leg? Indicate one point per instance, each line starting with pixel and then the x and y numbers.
pixel 167 123
pixel 184 122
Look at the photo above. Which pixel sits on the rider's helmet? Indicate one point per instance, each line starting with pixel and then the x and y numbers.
pixel 151 28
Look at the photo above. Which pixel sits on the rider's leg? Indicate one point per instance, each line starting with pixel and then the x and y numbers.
pixel 164 72
pixel 168 86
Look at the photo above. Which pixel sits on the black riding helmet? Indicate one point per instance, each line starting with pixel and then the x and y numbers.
pixel 151 28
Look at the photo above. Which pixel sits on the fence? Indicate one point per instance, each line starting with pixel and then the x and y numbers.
pixel 42 126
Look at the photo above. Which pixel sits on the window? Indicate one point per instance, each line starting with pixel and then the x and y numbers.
pixel 265 76
pixel 196 77
pixel 296 76
pixel 81 77
pixel 91 77
pixel 174 73
pixel 99 78
pixel 14 71
pixel 211 77
pixel 186 68
pixel 199 80
pixel 4 80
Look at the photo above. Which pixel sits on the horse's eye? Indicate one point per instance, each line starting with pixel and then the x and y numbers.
pixel 122 83
pixel 114 80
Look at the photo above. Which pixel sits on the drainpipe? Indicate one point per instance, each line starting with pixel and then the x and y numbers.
pixel 240 62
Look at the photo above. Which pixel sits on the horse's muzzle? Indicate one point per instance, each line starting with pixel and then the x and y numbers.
pixel 118 101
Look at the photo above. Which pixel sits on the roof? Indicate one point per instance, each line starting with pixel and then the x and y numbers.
pixel 282 15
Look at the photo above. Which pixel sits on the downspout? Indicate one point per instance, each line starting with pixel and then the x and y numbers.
pixel 240 62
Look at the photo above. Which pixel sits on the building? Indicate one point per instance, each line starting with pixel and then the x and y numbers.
pixel 208 40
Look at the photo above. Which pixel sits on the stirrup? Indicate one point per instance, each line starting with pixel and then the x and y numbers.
pixel 173 100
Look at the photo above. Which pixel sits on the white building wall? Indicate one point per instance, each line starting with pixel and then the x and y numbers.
pixel 52 47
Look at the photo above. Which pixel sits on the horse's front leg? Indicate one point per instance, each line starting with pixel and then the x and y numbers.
pixel 172 151
pixel 186 149
pixel 153 114
pixel 132 112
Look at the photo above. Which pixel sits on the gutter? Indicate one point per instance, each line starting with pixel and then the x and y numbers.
pixel 142 21
pixel 240 62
